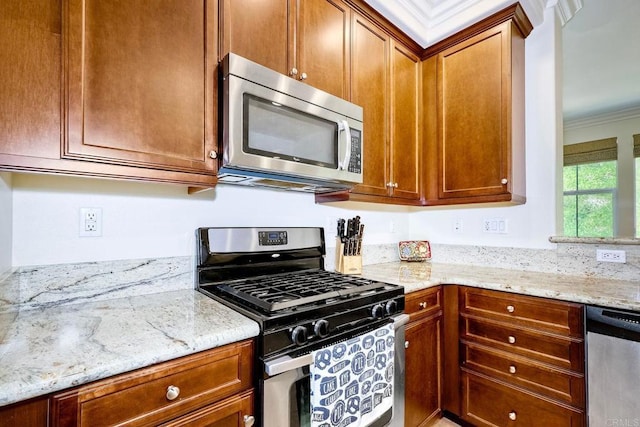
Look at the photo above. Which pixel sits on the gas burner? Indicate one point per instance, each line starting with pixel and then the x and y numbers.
pixel 279 292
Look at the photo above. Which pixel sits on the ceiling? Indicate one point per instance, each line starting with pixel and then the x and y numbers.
pixel 601 66
pixel 601 58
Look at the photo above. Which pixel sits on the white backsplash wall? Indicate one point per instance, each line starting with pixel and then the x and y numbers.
pixel 141 220
pixel 531 224
pixel 6 212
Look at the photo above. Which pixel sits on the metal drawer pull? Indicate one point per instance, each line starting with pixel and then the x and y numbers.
pixel 249 420
pixel 406 344
pixel 513 415
pixel 512 369
pixel 511 308
pixel 172 392
pixel 504 181
pixel 512 339
pixel 423 304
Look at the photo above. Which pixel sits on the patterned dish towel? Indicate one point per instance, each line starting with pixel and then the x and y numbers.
pixel 352 381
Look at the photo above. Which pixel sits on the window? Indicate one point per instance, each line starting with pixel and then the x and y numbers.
pixel 590 189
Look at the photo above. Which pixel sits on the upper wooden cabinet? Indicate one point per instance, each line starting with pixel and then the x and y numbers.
pixel 122 89
pixel 370 89
pixel 139 83
pixel 385 81
pixel 305 39
pixel 404 143
pixel 30 31
pixel 474 113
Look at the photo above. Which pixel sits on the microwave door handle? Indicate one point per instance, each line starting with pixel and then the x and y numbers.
pixel 346 131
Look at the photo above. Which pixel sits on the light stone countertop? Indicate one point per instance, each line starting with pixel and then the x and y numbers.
pixel 622 294
pixel 54 348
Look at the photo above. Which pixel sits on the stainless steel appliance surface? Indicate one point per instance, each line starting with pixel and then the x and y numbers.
pixel 281 133
pixel 276 277
pixel 613 358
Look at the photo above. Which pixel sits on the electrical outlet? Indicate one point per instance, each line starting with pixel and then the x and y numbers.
pixel 611 255
pixel 90 222
pixel 457 225
pixel 495 225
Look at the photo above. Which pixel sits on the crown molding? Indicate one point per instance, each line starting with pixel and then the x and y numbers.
pixel 431 21
pixel 600 119
pixel 566 9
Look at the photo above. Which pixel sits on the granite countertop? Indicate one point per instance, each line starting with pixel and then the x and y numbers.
pixel 51 349
pixel 622 294
pixel 54 347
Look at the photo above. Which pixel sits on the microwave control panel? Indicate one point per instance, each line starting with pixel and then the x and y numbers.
pixel 355 162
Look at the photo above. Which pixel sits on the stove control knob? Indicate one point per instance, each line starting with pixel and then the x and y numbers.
pixel 391 307
pixel 299 335
pixel 377 311
pixel 321 328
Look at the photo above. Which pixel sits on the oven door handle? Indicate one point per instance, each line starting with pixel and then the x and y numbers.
pixel 287 363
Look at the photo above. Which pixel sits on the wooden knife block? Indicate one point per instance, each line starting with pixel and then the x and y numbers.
pixel 347 264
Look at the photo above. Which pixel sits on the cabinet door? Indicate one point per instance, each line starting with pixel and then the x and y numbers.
pixel 258 30
pixel 423 380
pixel 405 78
pixel 369 88
pixel 30 75
pixel 474 94
pixel 322 48
pixel 140 83
pixel 33 413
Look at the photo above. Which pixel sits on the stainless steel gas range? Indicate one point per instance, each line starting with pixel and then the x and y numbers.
pixel 331 346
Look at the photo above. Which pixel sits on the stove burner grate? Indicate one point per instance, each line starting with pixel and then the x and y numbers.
pixel 277 292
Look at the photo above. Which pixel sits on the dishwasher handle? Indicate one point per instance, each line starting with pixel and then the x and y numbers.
pixel 615 323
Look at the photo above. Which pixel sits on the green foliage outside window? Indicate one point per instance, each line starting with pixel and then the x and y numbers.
pixel 589 199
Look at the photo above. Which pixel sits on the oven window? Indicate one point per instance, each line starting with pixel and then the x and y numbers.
pixel 302 391
pixel 274 130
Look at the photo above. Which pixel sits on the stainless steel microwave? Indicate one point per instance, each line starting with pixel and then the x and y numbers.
pixel 281 133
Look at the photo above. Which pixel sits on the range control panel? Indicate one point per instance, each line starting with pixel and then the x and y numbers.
pixel 272 238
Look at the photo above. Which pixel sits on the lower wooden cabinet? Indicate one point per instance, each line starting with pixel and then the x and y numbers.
pixel 423 358
pixel 209 388
pixel 32 413
pixel 520 360
pixel 232 412
pixel 487 402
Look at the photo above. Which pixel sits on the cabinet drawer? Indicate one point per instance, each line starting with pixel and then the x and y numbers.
pixel 539 313
pixel 553 349
pixel 228 413
pixel 141 397
pixel 424 303
pixel 490 403
pixel 558 384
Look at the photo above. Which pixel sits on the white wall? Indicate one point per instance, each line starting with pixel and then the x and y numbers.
pixel 156 220
pixel 6 212
pixel 529 225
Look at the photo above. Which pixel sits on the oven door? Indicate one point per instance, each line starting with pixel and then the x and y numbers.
pixel 286 391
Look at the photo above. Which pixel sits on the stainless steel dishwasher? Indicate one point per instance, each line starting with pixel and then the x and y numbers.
pixel 613 359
